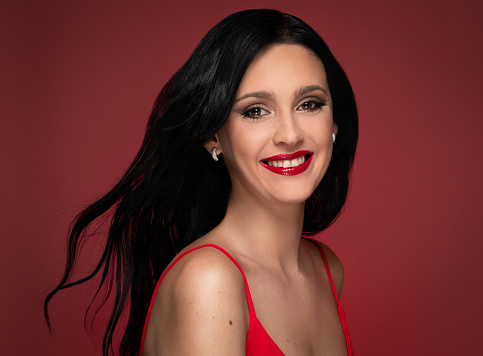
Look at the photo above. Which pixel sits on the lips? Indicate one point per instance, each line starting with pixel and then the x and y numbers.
pixel 288 164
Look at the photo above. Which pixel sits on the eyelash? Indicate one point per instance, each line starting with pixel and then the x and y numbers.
pixel 251 110
pixel 316 105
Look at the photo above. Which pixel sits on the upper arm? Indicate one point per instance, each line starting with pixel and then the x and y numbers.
pixel 336 268
pixel 200 308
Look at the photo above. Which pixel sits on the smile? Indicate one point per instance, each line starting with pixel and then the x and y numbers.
pixel 288 164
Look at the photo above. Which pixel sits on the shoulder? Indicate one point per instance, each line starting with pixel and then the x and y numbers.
pixel 200 307
pixel 335 266
pixel 205 271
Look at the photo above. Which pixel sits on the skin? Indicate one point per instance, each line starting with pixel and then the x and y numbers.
pixel 283 105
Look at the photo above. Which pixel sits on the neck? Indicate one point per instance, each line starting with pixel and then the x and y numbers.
pixel 268 234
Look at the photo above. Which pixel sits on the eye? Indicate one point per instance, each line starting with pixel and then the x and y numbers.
pixel 255 112
pixel 311 105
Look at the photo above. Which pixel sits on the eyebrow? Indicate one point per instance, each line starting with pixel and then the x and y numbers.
pixel 257 94
pixel 310 88
pixel 266 94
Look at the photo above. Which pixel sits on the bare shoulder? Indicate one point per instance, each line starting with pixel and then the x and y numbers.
pixel 200 308
pixel 335 266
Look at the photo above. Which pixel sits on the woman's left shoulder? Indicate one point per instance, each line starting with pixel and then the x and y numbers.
pixel 335 265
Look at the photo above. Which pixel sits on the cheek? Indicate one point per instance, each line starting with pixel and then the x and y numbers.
pixel 321 134
pixel 320 130
pixel 243 144
pixel 232 142
pixel 244 139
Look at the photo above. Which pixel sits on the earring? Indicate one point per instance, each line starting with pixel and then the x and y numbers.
pixel 333 137
pixel 213 154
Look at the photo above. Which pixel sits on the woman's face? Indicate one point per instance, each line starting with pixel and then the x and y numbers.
pixel 277 141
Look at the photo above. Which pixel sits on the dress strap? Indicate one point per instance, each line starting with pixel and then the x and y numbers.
pixel 322 253
pixel 247 289
pixel 251 309
pixel 340 310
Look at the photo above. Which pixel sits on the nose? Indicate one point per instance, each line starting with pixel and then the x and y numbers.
pixel 287 130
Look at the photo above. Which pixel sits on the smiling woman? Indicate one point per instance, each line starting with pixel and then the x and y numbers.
pixel 247 153
pixel 281 122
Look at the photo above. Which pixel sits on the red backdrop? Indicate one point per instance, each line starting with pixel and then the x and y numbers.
pixel 78 80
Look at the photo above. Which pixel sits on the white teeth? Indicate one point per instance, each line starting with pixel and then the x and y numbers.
pixel 287 163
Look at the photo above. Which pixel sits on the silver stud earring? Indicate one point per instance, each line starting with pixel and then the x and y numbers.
pixel 213 154
pixel 333 137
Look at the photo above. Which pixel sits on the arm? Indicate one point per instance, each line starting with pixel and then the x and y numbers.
pixel 200 308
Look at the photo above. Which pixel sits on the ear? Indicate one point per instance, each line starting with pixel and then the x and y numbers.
pixel 335 128
pixel 213 143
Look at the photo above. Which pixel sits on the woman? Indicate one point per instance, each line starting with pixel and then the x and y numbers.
pixel 249 147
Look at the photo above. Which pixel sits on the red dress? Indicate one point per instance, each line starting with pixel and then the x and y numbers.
pixel 258 342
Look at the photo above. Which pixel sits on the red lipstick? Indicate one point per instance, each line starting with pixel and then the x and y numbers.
pixel 288 171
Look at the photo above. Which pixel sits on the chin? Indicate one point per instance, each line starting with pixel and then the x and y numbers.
pixel 293 198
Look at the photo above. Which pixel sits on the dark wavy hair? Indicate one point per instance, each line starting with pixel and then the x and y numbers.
pixel 173 192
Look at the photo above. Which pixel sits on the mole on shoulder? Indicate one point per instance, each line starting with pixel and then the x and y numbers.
pixel 231 323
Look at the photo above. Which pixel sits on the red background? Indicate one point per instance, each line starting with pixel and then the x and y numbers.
pixel 78 80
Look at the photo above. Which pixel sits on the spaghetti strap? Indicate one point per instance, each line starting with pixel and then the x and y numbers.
pixel 258 341
pixel 340 310
pixel 322 253
pixel 251 309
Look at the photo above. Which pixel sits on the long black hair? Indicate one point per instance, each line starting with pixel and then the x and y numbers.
pixel 173 192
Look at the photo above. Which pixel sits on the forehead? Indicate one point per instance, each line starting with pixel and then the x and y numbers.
pixel 282 66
